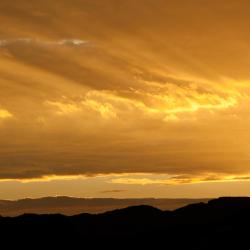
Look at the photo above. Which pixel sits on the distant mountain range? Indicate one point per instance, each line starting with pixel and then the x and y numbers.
pixel 222 223
pixel 71 206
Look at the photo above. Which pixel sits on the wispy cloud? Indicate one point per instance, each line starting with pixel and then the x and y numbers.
pixel 113 191
pixel 40 42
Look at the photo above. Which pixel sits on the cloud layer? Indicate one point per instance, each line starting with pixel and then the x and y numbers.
pixel 161 91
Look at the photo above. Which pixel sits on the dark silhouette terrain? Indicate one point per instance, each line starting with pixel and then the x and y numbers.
pixel 71 206
pixel 222 223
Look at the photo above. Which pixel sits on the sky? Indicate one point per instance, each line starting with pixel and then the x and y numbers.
pixel 112 98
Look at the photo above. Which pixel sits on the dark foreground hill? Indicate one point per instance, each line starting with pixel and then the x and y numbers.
pixel 222 223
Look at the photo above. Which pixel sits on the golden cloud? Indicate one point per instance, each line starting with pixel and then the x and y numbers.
pixel 5 114
pixel 124 87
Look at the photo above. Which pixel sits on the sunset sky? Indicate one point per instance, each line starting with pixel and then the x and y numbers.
pixel 135 98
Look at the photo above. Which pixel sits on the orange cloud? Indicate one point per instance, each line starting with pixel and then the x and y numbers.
pixel 156 90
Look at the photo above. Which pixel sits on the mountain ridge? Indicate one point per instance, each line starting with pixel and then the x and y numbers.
pixel 72 205
pixel 218 224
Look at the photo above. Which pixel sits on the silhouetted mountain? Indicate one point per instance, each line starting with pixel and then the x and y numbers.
pixel 71 206
pixel 219 224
